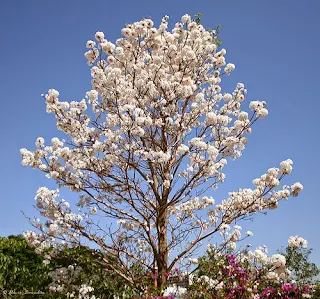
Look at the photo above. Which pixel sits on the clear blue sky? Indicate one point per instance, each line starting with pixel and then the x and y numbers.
pixel 274 44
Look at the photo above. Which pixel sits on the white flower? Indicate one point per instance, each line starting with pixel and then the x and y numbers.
pixel 211 118
pixel 90 44
pixel 249 233
pixel 185 19
pixel 99 36
pixel 39 142
pixel 56 142
pixel 278 260
pixel 286 166
pixel 46 262
pixel 227 97
pixel 272 276
pixel 260 256
pixel 296 241
pixel 232 246
pixel 208 200
pixel 182 149
pixel 229 68
pixel 126 32
pixel 92 95
pixel 224 227
pixel 243 116
pixel 296 188
pixel 262 112
pixel 119 51
pixel 198 143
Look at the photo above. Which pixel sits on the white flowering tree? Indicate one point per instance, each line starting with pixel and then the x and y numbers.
pixel 146 148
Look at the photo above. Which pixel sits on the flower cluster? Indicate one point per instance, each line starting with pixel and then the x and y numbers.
pixel 246 201
pixel 245 274
pixel 62 222
pixel 65 281
pixel 296 241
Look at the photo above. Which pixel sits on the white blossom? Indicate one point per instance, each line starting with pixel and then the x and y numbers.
pixel 296 188
pixel 278 260
pixel 249 233
pixel 296 241
pixel 185 18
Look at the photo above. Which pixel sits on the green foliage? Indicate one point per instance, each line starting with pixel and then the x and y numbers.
pixel 197 17
pixel 22 270
pixel 20 267
pixel 214 32
pixel 302 270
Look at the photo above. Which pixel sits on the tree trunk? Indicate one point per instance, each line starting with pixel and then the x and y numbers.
pixel 162 260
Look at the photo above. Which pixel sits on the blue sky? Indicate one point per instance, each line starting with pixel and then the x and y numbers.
pixel 274 45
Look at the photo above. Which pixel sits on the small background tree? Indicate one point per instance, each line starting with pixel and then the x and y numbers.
pixel 298 262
